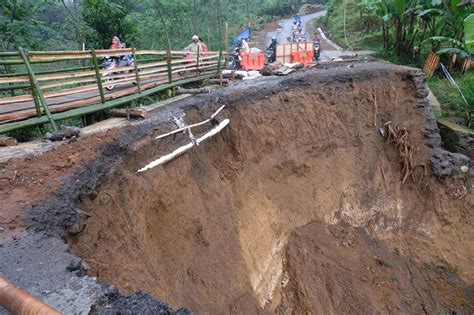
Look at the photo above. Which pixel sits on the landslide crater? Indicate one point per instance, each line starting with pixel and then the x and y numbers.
pixel 296 207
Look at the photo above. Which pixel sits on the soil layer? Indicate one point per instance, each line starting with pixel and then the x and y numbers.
pixel 297 206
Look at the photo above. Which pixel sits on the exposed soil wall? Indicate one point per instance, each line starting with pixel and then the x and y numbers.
pixel 297 206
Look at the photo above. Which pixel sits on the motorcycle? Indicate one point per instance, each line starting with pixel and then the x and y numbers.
pixel 234 59
pixel 112 63
pixel 189 57
pixel 317 50
pixel 109 63
pixel 269 56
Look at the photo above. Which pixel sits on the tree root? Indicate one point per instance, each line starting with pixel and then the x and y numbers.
pixel 405 146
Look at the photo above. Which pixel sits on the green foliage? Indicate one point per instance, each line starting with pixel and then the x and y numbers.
pixel 449 96
pixel 403 26
pixel 394 276
pixel 469 33
pixel 105 19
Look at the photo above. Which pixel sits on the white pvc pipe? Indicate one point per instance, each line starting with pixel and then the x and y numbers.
pixel 191 126
pixel 166 158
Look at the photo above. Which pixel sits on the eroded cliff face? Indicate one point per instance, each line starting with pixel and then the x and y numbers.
pixel 296 207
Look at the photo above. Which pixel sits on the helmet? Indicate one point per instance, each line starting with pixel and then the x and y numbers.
pixel 274 38
pixel 195 38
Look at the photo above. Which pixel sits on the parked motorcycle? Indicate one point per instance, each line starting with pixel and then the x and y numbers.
pixel 234 60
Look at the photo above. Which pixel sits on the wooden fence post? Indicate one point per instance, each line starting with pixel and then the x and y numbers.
pixel 36 87
pixel 219 62
pixel 168 63
pixel 135 65
pixel 98 76
pixel 197 61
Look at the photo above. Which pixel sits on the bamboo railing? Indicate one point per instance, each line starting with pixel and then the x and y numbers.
pixel 75 84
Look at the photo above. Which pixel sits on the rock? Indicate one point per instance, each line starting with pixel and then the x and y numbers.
pixel 7 141
pixel 456 138
pixel 64 133
pixel 445 163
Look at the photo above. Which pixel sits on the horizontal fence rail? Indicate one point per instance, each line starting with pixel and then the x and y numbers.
pixel 46 86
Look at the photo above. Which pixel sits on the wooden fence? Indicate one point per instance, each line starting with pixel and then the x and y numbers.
pixel 31 97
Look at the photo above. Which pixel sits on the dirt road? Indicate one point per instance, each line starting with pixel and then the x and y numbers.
pixel 329 49
pixel 284 29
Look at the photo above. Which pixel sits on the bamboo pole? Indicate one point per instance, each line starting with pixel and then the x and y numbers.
pixel 98 76
pixel 9 54
pixel 98 107
pixel 44 72
pixel 14 87
pixel 219 62
pixel 135 65
pixel 227 36
pixel 20 302
pixel 32 82
pixel 170 70
pixel 197 61
pixel 13 79
pixel 39 93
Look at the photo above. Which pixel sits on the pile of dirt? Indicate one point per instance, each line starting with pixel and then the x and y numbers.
pixel 310 8
pixel 246 223
pixel 30 181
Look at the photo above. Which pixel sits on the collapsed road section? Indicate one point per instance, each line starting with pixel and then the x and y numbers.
pixel 328 192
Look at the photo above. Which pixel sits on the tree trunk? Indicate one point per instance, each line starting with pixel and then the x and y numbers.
pixel 196 17
pixel 398 36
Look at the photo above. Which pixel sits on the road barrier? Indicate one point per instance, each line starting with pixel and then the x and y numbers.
pixel 305 56
pixel 63 91
pixel 285 53
pixel 253 61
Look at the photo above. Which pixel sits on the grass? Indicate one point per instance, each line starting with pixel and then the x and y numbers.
pixel 452 105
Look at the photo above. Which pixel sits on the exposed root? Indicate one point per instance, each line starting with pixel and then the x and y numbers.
pixel 404 143
pixel 374 97
pixel 382 170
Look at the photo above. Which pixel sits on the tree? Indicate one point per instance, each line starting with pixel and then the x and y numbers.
pixel 105 19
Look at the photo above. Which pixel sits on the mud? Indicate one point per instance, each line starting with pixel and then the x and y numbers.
pixel 296 207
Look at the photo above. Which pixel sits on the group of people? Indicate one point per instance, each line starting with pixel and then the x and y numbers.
pixel 297 33
pixel 197 44
pixel 123 61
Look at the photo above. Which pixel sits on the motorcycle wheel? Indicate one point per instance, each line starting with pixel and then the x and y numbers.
pixel 108 83
pixel 232 64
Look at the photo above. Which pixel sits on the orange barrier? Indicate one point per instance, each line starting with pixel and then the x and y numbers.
pixel 253 61
pixel 303 56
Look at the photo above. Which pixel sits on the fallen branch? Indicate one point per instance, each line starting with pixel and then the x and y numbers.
pixel 192 91
pixel 166 158
pixel 129 113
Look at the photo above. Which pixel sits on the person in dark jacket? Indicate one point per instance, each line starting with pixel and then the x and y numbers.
pixel 272 48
